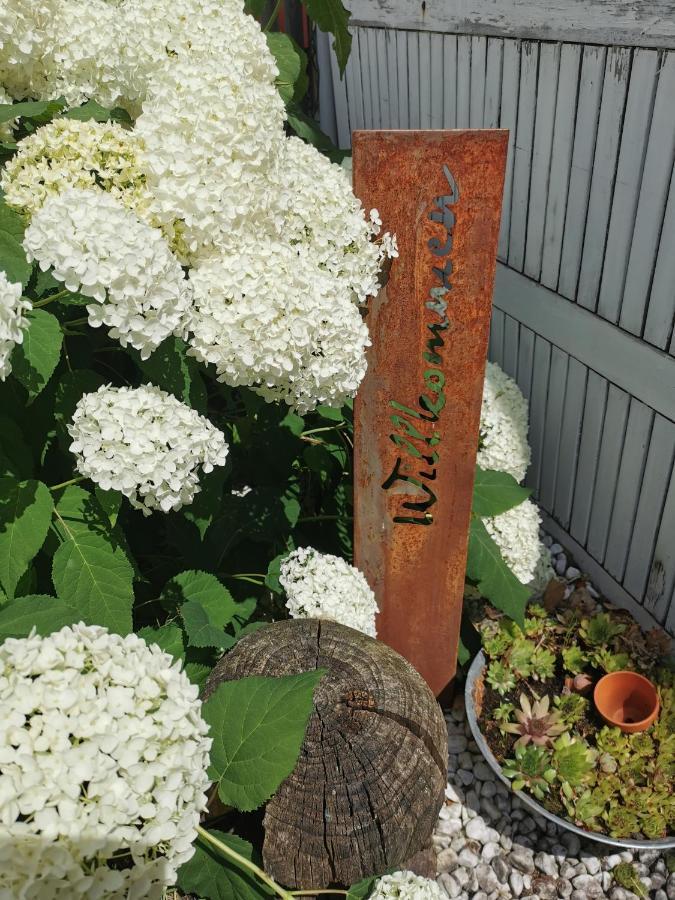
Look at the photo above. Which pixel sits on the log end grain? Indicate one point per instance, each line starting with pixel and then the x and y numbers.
pixel 370 781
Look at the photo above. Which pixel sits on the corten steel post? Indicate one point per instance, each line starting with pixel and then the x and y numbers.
pixel 417 412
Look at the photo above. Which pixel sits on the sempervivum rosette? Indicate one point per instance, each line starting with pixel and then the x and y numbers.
pixel 323 586
pixel 146 444
pixel 103 758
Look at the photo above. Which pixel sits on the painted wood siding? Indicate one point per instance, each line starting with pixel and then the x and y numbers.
pixel 585 291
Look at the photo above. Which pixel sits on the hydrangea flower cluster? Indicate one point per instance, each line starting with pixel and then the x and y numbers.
pixel 144 443
pixel 406 886
pixel 12 321
pixel 103 250
pixel 103 758
pixel 504 448
pixel 69 153
pixel 323 586
pixel 503 425
pixel 208 165
pixel 277 324
pixel 6 128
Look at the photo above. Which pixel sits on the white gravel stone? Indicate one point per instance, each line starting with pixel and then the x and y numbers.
pixel 546 864
pixel 456 743
pixel 468 858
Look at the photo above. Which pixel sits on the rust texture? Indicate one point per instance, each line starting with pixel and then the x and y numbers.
pixel 417 411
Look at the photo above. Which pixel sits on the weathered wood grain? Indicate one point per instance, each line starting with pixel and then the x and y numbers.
pixel 369 783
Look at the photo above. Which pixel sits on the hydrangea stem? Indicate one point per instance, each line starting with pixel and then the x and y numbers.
pixel 245 863
pixel 273 16
pixel 46 300
pixel 63 484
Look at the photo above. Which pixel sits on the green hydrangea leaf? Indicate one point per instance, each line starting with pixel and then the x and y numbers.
pixel 214 876
pixel 496 582
pixel 91 110
pixel 44 613
pixel 90 569
pixel 257 725
pixel 291 62
pixel 201 632
pixel 13 260
pixel 172 370
pixel 16 457
pixel 25 513
pixel 42 110
pixel 204 589
pixel 332 17
pixel 363 889
pixel 495 492
pixel 34 360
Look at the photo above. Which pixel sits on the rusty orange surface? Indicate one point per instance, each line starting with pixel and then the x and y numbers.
pixel 417 411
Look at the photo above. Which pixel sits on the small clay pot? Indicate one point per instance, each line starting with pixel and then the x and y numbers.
pixel 627 700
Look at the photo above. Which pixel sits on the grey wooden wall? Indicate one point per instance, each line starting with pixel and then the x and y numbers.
pixel 585 290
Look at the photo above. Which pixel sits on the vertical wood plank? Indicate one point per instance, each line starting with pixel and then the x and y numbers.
pixel 403 79
pixel 659 160
pixel 511 341
pixel 496 344
pixel 449 81
pixel 437 81
pixel 354 91
pixel 557 389
pixel 637 117
pixel 540 377
pixel 638 431
pixel 341 101
pixel 590 88
pixel 391 48
pixel 478 65
pixel 661 310
pixel 463 80
pixel 493 82
pixel 413 78
pixel 611 447
pixel 384 86
pixel 547 89
pixel 371 74
pixel 523 153
pixel 525 361
pixel 507 119
pixel 615 87
pixel 589 449
pixel 657 473
pixel 366 79
pixel 423 77
pixel 561 161
pixel 573 411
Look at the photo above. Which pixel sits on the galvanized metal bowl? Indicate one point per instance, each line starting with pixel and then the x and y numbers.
pixel 475 672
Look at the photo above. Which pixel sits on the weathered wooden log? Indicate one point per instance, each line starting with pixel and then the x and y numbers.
pixel 371 776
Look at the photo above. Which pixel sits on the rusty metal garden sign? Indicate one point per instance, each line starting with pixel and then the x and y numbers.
pixel 417 412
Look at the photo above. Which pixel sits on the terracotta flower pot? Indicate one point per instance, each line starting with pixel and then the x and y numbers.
pixel 627 700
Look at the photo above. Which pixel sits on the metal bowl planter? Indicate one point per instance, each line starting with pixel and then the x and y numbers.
pixel 472 682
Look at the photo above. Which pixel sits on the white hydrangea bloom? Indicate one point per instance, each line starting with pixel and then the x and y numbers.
pixel 209 171
pixel 503 425
pixel 146 444
pixel 69 153
pixel 274 321
pixel 323 586
pixel 516 533
pixel 103 250
pixel 406 886
pixel 12 321
pixel 103 754
pixel 316 209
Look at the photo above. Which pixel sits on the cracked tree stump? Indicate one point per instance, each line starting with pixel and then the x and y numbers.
pixel 369 783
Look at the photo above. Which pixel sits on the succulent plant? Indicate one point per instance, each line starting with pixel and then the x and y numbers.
pixel 622 823
pixel 574 659
pixel 501 678
pixel 530 768
pixel 642 744
pixel 626 876
pixel 613 741
pixel 520 657
pixel 600 630
pixel 607 786
pixel 535 622
pixel 502 713
pixel 586 810
pixel 536 723
pixel 543 664
pixel 572 708
pixel 654 826
pixel 611 662
pixel 573 760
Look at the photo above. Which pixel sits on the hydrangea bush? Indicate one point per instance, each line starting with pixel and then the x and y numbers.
pixel 182 285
